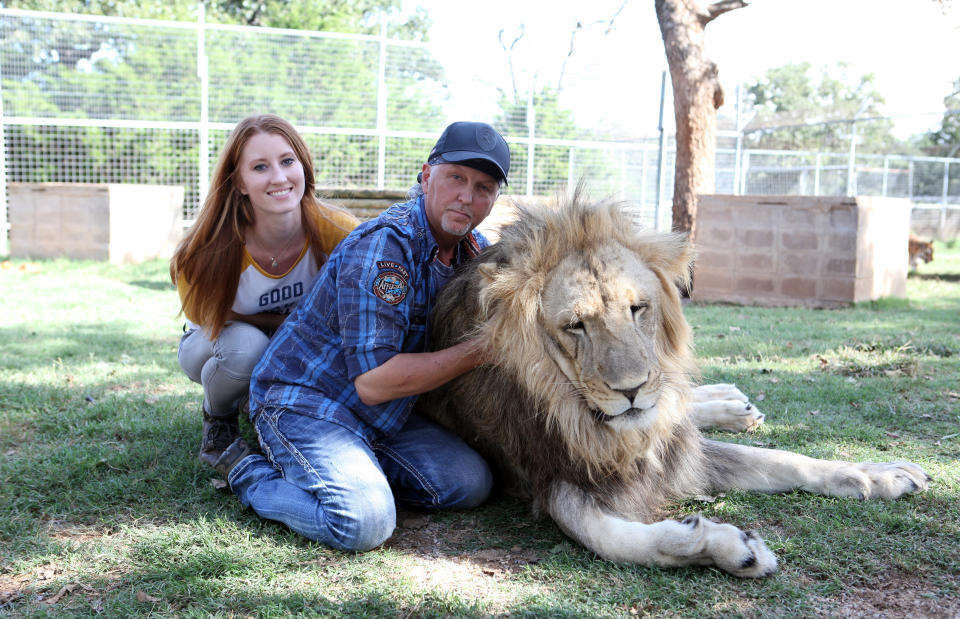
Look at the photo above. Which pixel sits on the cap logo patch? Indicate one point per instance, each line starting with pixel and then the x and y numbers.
pixel 486 139
pixel 390 284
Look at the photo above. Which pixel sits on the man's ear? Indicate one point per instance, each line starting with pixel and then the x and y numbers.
pixel 424 176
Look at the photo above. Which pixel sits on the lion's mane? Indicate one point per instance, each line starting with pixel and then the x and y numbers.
pixel 520 411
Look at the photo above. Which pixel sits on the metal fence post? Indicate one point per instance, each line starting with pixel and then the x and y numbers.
pixel 643 181
pixel 661 157
pixel 816 175
pixel 852 162
pixel 886 165
pixel 4 226
pixel 531 132
pixel 204 74
pixel 744 171
pixel 737 190
pixel 382 106
pixel 945 195
pixel 910 181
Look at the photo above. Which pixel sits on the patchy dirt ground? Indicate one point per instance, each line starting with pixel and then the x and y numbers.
pixel 896 596
pixel 418 535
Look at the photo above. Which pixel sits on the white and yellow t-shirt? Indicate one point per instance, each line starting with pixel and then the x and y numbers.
pixel 258 291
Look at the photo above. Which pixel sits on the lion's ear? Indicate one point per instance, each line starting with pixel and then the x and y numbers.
pixel 671 252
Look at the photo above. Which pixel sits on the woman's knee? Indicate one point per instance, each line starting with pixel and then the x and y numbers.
pixel 194 351
pixel 239 347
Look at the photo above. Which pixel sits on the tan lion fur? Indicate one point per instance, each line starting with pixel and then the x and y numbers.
pixel 522 412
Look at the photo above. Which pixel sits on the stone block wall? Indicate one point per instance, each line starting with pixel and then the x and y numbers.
pixel 115 222
pixel 800 250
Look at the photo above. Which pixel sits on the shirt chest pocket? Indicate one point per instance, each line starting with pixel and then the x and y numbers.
pixel 418 317
pixel 417 335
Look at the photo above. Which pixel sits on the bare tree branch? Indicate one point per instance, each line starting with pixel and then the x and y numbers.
pixel 717 9
pixel 573 35
pixel 613 18
pixel 509 53
pixel 563 67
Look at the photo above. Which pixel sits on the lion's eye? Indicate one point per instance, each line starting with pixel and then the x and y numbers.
pixel 575 326
pixel 638 308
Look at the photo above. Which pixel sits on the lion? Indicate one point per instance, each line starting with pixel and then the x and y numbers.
pixel 586 405
pixel 919 249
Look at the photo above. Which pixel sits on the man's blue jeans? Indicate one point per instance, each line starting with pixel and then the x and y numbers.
pixel 330 485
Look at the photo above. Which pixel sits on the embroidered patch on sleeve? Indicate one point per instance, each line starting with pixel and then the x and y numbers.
pixel 390 284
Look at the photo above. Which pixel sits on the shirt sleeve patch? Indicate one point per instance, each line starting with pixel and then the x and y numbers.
pixel 390 284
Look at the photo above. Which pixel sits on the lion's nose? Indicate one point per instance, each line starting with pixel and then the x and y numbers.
pixel 630 393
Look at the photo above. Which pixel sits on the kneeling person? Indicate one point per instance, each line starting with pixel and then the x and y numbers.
pixel 332 395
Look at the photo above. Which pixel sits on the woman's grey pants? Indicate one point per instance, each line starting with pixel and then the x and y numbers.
pixel 222 366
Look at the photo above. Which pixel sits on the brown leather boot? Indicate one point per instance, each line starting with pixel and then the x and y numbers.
pixel 218 433
pixel 232 455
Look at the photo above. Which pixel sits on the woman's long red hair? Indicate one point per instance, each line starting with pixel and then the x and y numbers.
pixel 211 253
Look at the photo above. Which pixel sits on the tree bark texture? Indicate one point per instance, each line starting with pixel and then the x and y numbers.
pixel 697 95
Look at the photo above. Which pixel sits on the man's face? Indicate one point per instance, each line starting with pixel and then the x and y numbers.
pixel 457 199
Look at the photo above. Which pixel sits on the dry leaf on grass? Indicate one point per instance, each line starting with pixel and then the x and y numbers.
pixel 63 592
pixel 143 597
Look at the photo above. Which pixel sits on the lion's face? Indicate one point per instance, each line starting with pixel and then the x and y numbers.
pixel 602 313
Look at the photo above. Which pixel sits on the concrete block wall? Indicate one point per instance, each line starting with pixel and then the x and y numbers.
pixel 93 221
pixel 800 250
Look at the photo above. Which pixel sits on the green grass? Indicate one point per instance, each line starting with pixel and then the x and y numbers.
pixel 105 510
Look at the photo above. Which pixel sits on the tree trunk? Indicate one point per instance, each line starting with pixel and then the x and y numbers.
pixel 696 96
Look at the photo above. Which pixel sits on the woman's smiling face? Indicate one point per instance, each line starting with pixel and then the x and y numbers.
pixel 270 174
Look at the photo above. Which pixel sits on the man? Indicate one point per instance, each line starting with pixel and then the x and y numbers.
pixel 332 395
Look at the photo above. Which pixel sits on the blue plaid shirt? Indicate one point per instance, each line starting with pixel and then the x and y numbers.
pixel 370 301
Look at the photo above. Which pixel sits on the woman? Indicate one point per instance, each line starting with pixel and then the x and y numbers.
pixel 256 246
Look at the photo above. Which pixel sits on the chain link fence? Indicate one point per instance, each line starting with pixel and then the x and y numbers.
pixel 92 99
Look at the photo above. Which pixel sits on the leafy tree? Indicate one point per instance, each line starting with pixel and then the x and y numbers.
pixel 103 70
pixel 353 16
pixel 945 141
pixel 795 110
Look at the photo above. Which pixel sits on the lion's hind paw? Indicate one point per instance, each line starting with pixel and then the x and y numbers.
pixel 894 479
pixel 885 480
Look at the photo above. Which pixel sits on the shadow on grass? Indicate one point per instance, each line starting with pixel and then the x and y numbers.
pixel 941 277
pixel 25 349
pixel 152 285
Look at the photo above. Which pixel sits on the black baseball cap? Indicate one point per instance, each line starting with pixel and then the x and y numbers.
pixel 473 144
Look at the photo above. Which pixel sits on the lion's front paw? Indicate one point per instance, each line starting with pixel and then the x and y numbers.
pixel 741 553
pixel 888 480
pixel 732 415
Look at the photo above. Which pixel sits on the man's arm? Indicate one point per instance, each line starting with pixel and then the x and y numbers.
pixel 407 374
